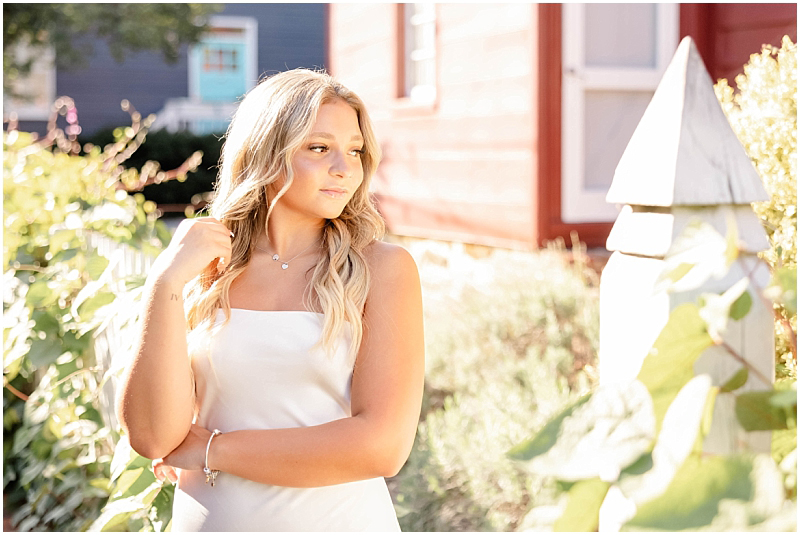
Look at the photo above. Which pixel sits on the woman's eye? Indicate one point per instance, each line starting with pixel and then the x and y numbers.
pixel 318 148
pixel 357 152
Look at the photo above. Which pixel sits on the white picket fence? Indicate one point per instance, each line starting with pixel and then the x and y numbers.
pixel 113 339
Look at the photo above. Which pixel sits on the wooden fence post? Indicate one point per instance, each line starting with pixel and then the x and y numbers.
pixel 684 163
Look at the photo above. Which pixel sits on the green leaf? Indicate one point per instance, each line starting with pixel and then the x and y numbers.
pixel 92 304
pixel 784 441
pixel 125 482
pixel 117 512
pixel 602 437
pixel 766 409
pixel 95 266
pixel 721 493
pixel 546 438
pixel 162 505
pixel 741 306
pixel 670 363
pixel 38 293
pixel 782 289
pixel 737 381
pixel 46 322
pixel 44 352
pixel 692 499
pixel 583 506
pixel 680 429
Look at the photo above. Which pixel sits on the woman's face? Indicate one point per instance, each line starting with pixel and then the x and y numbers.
pixel 327 166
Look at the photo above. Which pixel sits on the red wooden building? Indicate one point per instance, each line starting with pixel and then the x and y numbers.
pixel 501 124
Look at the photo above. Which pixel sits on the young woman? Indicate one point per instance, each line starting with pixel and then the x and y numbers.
pixel 299 385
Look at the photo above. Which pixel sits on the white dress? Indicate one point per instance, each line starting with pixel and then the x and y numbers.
pixel 262 371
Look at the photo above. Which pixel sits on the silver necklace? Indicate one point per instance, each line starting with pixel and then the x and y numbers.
pixel 285 263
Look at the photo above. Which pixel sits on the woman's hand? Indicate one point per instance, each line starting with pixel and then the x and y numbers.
pixel 164 471
pixel 198 244
pixel 190 455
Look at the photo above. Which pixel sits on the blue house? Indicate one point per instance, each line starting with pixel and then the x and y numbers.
pixel 199 93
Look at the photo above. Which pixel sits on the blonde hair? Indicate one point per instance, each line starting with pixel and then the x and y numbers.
pixel 269 126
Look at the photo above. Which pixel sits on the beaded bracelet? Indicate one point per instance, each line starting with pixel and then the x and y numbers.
pixel 211 475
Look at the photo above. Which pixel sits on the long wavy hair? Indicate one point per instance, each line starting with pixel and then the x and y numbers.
pixel 270 125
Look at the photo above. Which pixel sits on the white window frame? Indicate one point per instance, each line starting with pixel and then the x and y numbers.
pixel 579 204
pixel 418 92
pixel 249 25
pixel 43 63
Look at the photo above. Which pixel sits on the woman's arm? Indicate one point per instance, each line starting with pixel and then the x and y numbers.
pixel 156 400
pixel 386 397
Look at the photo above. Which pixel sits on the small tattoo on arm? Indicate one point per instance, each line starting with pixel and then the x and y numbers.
pixel 174 297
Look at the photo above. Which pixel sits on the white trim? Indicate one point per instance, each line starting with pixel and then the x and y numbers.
pixel 418 93
pixel 249 26
pixel 579 204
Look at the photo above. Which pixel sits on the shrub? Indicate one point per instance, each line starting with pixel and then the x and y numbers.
pixel 170 150
pixel 763 113
pixel 59 293
pixel 503 354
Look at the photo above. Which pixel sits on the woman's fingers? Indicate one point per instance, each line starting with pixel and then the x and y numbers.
pixel 164 471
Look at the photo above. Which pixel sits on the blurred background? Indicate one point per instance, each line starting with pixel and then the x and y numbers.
pixel 501 127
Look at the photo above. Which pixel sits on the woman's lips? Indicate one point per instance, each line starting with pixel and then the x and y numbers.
pixel 336 193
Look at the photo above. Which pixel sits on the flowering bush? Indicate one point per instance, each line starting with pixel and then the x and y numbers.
pixel 763 113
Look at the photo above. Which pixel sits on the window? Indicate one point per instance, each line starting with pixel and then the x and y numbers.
pixel 613 58
pixel 222 67
pixel 420 52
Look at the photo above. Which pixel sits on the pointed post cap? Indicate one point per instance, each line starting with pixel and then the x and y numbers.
pixel 684 152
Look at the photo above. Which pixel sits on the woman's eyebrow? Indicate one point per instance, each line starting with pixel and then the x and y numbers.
pixel 356 137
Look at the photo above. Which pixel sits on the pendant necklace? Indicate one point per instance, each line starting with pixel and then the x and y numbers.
pixel 285 263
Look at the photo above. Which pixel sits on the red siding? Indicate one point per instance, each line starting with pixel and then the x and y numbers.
pixel 461 168
pixel 727 34
pixel 482 164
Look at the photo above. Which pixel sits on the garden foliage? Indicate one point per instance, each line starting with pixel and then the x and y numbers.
pixel 636 449
pixel 630 456
pixel 170 150
pixel 60 293
pixel 503 352
pixel 763 113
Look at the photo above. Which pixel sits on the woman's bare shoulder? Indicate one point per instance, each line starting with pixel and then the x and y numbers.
pixel 390 263
pixel 395 292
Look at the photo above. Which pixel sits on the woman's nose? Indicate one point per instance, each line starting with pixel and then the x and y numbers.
pixel 339 165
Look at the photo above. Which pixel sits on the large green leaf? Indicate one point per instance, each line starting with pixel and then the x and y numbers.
pixel 670 363
pixel 766 410
pixel 583 506
pixel 117 512
pixel 692 499
pixel 717 493
pixel 601 437
pixel 546 438
pixel 161 515
pixel 681 426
